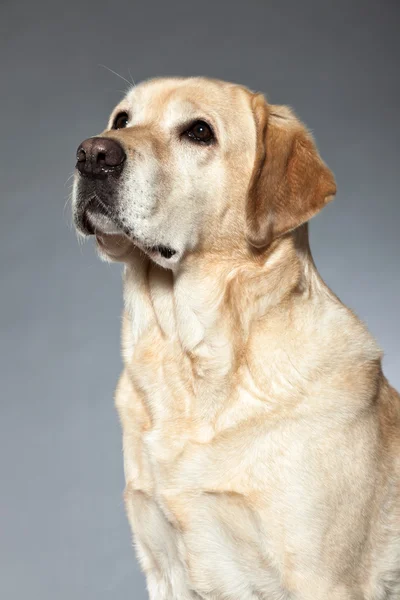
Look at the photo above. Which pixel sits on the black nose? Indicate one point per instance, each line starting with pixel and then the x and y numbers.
pixel 98 157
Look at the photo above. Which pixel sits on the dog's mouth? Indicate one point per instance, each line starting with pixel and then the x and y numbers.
pixel 100 220
pixel 97 218
pixel 165 251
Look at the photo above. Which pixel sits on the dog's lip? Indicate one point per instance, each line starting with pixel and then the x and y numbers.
pixel 95 206
pixel 87 224
pixel 167 252
pixel 152 251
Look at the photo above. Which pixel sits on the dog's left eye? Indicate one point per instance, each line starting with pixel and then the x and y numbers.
pixel 201 132
pixel 121 121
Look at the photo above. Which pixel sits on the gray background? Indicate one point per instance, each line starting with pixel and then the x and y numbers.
pixel 63 529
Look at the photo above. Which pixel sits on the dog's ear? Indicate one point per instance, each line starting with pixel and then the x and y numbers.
pixel 290 182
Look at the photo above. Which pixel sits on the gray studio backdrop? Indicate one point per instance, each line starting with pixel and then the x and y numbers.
pixel 63 532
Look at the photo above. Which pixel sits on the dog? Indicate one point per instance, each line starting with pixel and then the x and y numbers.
pixel 261 439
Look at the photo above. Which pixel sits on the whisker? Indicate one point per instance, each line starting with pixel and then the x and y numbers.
pixel 68 200
pixel 72 174
pixel 130 75
pixel 117 74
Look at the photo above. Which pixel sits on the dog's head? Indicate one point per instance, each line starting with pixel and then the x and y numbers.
pixel 190 165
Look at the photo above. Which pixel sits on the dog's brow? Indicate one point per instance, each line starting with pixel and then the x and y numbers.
pixel 185 110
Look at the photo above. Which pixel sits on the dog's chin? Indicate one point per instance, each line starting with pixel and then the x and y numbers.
pixel 99 223
pixel 114 244
pixel 114 247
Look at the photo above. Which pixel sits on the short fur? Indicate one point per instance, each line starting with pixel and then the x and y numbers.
pixel 261 438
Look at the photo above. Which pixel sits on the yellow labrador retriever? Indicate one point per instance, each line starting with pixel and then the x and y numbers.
pixel 261 438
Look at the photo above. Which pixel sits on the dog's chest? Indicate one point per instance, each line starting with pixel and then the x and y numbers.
pixel 198 520
pixel 193 502
pixel 191 498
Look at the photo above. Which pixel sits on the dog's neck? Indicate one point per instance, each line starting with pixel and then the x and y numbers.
pixel 208 309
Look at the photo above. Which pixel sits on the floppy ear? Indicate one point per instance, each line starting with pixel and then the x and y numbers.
pixel 290 182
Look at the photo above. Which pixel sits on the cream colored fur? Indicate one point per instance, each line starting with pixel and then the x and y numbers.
pixel 261 439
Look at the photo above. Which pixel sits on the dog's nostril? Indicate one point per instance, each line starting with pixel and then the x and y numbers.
pixel 101 157
pixel 81 155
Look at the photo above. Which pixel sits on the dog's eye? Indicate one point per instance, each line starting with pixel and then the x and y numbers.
pixel 200 131
pixel 121 121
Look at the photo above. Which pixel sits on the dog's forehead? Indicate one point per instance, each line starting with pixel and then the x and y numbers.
pixel 168 101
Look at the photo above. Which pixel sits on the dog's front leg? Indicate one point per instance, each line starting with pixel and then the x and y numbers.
pixel 156 547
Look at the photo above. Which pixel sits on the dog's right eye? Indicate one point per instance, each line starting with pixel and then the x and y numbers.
pixel 121 121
